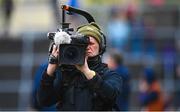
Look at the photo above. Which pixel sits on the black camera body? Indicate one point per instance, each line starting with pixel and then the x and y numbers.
pixel 73 53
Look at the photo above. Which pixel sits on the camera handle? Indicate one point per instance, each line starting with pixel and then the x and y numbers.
pixel 78 11
pixel 64 25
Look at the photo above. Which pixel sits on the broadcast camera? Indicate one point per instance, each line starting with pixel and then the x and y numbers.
pixel 74 52
pixel 72 47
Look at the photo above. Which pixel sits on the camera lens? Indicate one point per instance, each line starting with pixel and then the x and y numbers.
pixel 71 53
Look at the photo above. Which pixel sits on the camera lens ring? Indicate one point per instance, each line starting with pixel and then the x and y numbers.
pixel 71 53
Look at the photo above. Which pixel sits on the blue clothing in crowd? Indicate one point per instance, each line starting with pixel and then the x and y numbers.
pixel 122 102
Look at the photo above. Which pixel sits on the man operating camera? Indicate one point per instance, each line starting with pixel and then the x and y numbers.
pixel 90 86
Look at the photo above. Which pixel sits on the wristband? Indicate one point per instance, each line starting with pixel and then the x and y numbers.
pixel 52 59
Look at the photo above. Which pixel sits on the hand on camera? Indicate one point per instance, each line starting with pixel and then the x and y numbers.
pixel 53 61
pixel 85 69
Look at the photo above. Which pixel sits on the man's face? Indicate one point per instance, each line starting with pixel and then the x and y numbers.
pixel 93 48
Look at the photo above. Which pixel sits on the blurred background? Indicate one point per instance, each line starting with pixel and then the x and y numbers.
pixel 146 33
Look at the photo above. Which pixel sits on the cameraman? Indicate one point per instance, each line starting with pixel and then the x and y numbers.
pixel 91 86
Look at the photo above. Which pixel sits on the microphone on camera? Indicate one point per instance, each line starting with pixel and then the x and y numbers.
pixel 59 37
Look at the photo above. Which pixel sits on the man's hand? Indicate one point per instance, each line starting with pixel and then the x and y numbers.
pixel 85 69
pixel 52 67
